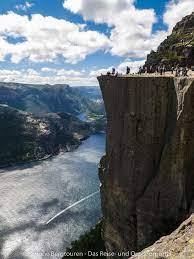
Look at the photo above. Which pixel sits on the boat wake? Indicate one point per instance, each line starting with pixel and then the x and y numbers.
pixel 71 206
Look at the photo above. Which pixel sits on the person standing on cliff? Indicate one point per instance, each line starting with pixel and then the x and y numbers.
pixel 151 70
pixel 185 71
pixel 113 71
pixel 177 70
pixel 164 69
pixel 160 70
pixel 128 70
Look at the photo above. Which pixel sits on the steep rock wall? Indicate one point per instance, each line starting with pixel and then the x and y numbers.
pixel 147 174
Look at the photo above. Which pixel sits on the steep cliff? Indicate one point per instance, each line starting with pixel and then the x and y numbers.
pixel 147 174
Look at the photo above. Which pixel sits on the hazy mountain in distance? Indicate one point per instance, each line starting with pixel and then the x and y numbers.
pixel 92 92
pixel 40 99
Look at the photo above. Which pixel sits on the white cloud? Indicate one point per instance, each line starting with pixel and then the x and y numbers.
pixel 98 72
pixel 62 72
pixel 71 72
pixel 176 10
pixel 59 76
pixel 47 69
pixel 131 29
pixel 46 38
pixel 101 11
pixel 134 66
pixel 6 72
pixel 121 68
pixel 32 72
pixel 24 7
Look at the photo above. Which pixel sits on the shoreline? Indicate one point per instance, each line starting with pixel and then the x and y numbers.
pixel 45 158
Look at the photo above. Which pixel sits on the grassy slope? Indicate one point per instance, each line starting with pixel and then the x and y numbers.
pixel 178 48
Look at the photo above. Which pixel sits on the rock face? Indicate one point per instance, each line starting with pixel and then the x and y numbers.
pixel 178 48
pixel 147 174
pixel 178 245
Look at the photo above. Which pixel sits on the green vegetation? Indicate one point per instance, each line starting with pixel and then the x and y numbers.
pixel 178 48
pixel 91 241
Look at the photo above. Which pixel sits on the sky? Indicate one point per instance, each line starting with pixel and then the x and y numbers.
pixel 73 41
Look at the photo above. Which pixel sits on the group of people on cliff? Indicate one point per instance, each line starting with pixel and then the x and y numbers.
pixel 161 69
pixel 114 73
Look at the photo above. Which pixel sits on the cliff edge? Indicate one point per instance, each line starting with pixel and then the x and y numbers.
pixel 147 174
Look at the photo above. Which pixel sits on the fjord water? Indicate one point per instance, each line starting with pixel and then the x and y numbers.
pixel 33 193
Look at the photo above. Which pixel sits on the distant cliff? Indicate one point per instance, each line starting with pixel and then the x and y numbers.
pixel 26 137
pixel 178 48
pixel 147 174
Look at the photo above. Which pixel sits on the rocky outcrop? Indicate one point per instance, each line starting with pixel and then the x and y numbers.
pixel 178 245
pixel 178 48
pixel 147 174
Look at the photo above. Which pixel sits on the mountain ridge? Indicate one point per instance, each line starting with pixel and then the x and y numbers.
pixel 177 48
pixel 40 99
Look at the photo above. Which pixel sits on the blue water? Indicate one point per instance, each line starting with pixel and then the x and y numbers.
pixel 82 117
pixel 31 194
